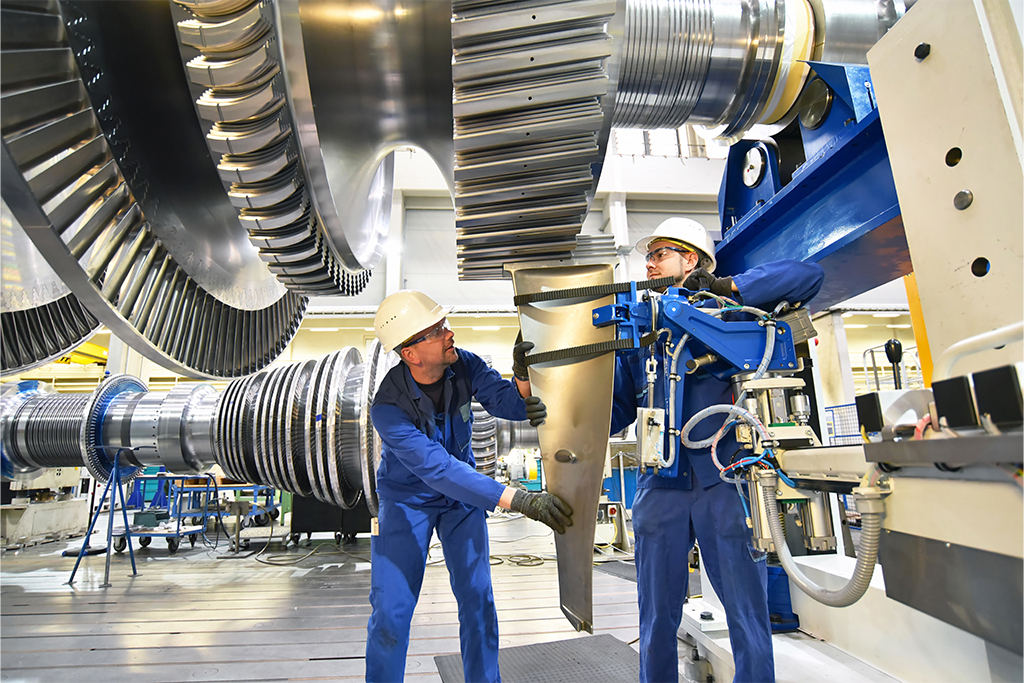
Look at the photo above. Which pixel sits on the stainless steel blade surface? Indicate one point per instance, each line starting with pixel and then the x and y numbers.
pixel 578 396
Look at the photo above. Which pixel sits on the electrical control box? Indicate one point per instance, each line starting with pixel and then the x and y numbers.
pixel 650 436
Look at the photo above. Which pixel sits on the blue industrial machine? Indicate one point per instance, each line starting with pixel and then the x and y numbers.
pixel 840 208
pixel 694 339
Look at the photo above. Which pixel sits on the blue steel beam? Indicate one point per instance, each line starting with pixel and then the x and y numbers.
pixel 840 211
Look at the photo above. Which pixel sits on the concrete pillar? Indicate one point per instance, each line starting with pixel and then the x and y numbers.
pixel 617 223
pixel 834 360
pixel 394 263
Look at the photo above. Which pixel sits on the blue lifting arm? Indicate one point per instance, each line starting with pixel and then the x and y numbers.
pixel 720 347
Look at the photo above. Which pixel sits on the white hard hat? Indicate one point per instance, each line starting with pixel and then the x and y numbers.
pixel 685 231
pixel 403 314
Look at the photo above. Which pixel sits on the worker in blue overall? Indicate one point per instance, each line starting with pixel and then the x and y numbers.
pixel 669 514
pixel 427 481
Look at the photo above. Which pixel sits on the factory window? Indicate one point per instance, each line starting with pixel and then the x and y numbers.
pixel 685 143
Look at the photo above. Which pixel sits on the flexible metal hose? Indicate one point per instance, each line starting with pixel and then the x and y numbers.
pixel 867 554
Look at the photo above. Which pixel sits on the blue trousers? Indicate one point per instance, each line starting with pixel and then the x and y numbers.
pixel 666 522
pixel 399 555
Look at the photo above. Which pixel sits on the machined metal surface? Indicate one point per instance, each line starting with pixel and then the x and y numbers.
pixel 40 318
pixel 836 464
pixel 248 72
pixel 845 31
pixel 485 436
pixel 143 110
pixel 964 450
pixel 29 281
pixel 301 427
pixel 724 65
pixel 378 363
pixel 366 79
pixel 63 183
pixel 577 392
pixel 98 457
pixel 252 153
pixel 534 88
pixel 36 336
pixel 973 589
pixel 485 440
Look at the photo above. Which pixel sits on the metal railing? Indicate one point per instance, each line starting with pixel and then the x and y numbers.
pixel 881 376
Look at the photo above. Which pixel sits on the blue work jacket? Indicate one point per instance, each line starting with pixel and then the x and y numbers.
pixel 763 287
pixel 427 457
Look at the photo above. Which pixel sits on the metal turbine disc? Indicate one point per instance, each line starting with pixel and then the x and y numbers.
pixel 98 461
pixel 62 181
pixel 343 439
pixel 295 453
pixel 378 364
pixel 40 319
pixel 313 436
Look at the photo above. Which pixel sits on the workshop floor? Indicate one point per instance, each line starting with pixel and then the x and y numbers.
pixel 204 615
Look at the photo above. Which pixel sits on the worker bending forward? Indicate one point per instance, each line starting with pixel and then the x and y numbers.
pixel 427 481
pixel 670 513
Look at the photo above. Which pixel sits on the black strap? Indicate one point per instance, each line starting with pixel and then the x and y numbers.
pixel 591 291
pixel 589 349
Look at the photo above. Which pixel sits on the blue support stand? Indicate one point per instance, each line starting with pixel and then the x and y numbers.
pixel 840 210
pixel 115 489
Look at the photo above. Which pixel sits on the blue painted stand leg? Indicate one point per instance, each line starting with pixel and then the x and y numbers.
pixel 127 529
pixel 115 478
pixel 88 535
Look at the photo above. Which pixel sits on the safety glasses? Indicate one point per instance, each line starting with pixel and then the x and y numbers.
pixel 434 332
pixel 660 253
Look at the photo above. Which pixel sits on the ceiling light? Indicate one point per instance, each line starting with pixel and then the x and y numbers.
pixel 886 315
pixel 487 328
pixel 898 327
pixel 368 329
pixel 855 327
pixel 324 329
pixel 847 315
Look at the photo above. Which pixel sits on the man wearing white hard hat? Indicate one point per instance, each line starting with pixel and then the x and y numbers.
pixel 669 514
pixel 427 481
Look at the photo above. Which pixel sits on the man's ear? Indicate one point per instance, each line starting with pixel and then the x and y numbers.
pixel 409 355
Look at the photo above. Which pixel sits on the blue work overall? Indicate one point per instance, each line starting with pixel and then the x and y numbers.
pixel 669 514
pixel 427 481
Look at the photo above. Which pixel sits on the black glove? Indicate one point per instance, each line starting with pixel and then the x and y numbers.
pixel 702 279
pixel 519 352
pixel 536 411
pixel 543 507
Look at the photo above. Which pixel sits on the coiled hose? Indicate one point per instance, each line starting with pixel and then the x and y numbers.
pixel 867 553
pixel 769 349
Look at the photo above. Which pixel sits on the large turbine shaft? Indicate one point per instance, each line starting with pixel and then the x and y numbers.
pixel 303 428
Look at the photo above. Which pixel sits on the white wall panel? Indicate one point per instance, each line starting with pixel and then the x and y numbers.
pixel 430 264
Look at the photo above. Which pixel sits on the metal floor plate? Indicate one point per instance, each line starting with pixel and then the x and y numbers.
pixel 583 660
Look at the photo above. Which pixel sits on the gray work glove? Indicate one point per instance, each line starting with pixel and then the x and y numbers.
pixel 536 411
pixel 519 352
pixel 543 507
pixel 702 279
